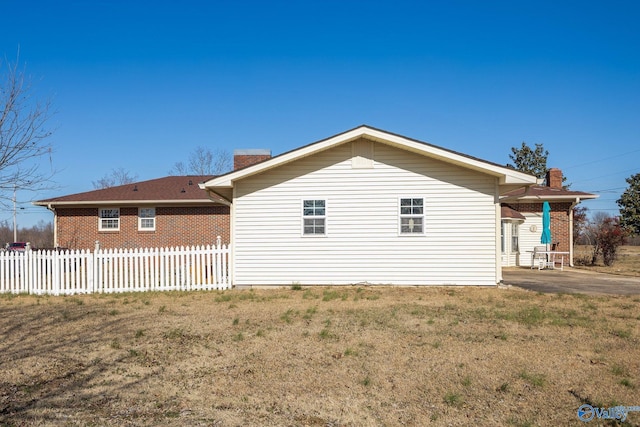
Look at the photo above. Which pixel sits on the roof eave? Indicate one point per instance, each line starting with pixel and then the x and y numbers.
pixel 504 175
pixel 47 203
pixel 550 197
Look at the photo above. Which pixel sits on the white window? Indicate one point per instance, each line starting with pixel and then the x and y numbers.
pixel 109 219
pixel 412 215
pixel 314 217
pixel 146 219
pixel 515 232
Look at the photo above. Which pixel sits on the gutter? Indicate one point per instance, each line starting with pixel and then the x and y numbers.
pixel 91 203
pixel 215 197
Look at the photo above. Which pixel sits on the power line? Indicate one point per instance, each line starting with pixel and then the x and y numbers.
pixel 604 176
pixel 601 160
pixel 608 190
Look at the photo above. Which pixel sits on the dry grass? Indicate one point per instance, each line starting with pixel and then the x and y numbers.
pixel 319 357
pixel 627 262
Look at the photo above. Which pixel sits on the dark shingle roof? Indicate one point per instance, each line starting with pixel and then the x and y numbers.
pixel 507 212
pixel 542 192
pixel 167 189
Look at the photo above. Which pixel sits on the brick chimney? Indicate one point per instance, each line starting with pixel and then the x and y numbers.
pixel 244 158
pixel 554 178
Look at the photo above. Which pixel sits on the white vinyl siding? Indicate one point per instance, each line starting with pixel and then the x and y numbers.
pixel 109 219
pixel 364 245
pixel 529 236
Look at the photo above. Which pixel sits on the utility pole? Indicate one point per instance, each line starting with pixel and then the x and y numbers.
pixel 15 217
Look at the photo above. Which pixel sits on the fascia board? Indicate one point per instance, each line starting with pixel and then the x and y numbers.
pixel 226 181
pixel 505 175
pixel 123 202
pixel 549 197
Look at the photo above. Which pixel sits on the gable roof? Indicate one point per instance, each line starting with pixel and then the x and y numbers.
pixel 541 193
pixel 506 176
pixel 167 190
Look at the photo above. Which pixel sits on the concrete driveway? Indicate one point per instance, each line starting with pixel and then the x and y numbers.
pixel 570 281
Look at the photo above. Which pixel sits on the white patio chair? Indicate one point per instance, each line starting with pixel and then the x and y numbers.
pixel 539 257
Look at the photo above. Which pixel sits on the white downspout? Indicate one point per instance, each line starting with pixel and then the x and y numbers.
pixel 498 251
pixel 573 205
pixel 55 224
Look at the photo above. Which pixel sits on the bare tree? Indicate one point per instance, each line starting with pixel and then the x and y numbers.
pixel 116 177
pixel 23 135
pixel 203 161
pixel 39 235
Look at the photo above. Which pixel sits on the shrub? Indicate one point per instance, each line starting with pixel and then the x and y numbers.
pixel 608 236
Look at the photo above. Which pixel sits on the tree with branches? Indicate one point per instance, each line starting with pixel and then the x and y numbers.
pixel 580 223
pixel 528 160
pixel 204 161
pixel 629 204
pixel 24 135
pixel 116 177
pixel 532 161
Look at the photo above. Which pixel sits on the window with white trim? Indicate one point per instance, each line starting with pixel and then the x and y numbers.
pixel 109 219
pixel 412 215
pixel 314 217
pixel 515 233
pixel 146 219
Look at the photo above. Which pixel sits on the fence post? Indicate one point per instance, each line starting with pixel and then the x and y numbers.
pixel 55 267
pixel 96 266
pixel 28 273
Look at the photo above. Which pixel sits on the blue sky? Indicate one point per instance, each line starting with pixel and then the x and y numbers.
pixel 140 84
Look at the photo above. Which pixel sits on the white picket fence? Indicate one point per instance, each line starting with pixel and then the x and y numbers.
pixel 115 270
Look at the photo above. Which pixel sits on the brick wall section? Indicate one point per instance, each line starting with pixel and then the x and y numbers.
pixel 77 228
pixel 554 178
pixel 559 220
pixel 240 161
pixel 244 158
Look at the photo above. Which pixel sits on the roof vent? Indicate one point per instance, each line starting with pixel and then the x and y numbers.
pixel 190 182
pixel 135 188
pixel 183 190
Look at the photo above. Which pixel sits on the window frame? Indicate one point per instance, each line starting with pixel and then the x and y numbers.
pixel 515 237
pixel 102 219
pixel 313 217
pixel 414 215
pixel 142 218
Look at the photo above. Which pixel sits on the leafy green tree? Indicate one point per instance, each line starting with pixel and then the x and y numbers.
pixel 629 204
pixel 528 160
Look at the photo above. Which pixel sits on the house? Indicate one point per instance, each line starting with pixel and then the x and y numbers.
pixel 522 219
pixel 368 206
pixel 163 212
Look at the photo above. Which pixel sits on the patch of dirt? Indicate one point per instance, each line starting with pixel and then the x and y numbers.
pixel 317 357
